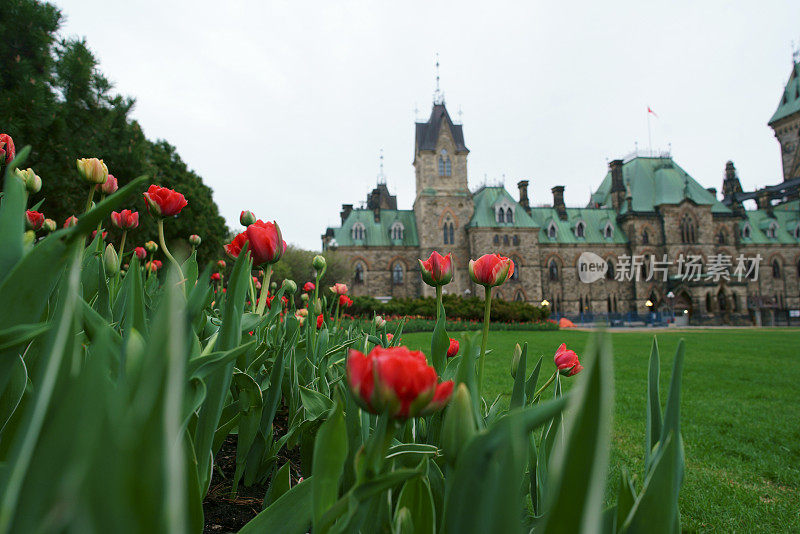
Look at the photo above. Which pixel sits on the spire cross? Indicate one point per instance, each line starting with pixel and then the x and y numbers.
pixel 381 176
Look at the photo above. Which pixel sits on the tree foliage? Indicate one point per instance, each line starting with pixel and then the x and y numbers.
pixel 54 98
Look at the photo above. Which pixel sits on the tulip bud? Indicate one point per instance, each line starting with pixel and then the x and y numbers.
pixel 515 360
pixel 111 260
pixel 459 424
pixel 221 265
pixel 380 322
pixel 110 186
pixel 71 221
pixel 273 286
pixel 32 182
pixel 304 297
pixel 151 246
pixel 247 218
pixel 34 220
pixel 140 252
pixel 290 285
pixel 134 353
pixel 49 225
pixel 319 264
pixel 195 240
pixel 318 306
pixel 92 170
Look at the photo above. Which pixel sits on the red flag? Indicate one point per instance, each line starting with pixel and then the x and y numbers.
pixel 651 111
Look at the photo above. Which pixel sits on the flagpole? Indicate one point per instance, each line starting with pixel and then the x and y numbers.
pixel 649 136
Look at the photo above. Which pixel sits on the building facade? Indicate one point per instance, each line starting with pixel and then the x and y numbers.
pixel 648 220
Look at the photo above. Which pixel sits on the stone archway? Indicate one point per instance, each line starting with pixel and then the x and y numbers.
pixel 683 308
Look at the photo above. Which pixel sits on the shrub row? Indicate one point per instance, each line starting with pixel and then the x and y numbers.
pixel 467 309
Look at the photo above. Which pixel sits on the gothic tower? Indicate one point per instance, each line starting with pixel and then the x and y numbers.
pixel 443 203
pixel 785 122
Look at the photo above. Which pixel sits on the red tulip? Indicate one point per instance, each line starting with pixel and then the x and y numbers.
pixel 437 270
pixel 103 236
pixel 221 265
pixel 266 243
pixel 125 219
pixel 567 361
pixel 6 148
pixel 71 221
pixel 452 350
pixel 34 220
pixel 339 289
pixel 140 252
pixel 164 202
pixel 396 381
pixel 308 287
pixel 216 277
pixel 490 270
pixel 345 301
pixel 320 320
pixel 111 185
pixel 234 248
pixel 389 337
pixel 154 266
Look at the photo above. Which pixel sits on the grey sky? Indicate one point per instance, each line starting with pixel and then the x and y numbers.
pixel 283 107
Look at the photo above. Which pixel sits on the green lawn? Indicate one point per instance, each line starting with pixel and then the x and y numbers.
pixel 740 416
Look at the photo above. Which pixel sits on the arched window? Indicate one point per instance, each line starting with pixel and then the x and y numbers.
pixel 735 302
pixel 708 302
pixel 551 230
pixel 608 231
pixel 509 215
pixel 496 239
pixel 358 277
pixel 721 237
pixel 645 237
pixel 798 268
pixel 746 231
pixel 447 167
pixel 501 215
pixel 687 230
pixel 396 231
pixel 772 231
pixel 441 166
pixel 552 270
pixel 358 232
pixel 610 270
pixel 580 229
pixel 448 233
pixel 518 297
pixel 452 233
pixel 776 268
pixel 515 240
pixel 397 274
pixel 505 240
pixel 515 274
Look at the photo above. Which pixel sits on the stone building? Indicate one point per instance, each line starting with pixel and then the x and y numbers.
pixel 645 219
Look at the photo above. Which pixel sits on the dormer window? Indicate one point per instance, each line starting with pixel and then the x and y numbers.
pixel 359 233
pixel 396 230
pixel 746 231
pixel 796 231
pixel 552 230
pixel 503 212
pixel 608 231
pixel 772 231
pixel 580 229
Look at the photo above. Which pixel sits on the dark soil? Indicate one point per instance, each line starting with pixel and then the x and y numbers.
pixel 225 514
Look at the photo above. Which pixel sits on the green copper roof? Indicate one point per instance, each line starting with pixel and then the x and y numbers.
pixel 595 221
pixel 759 222
pixel 653 182
pixel 378 234
pixel 485 201
pixel 790 99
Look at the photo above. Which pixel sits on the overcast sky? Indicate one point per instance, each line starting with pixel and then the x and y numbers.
pixel 283 107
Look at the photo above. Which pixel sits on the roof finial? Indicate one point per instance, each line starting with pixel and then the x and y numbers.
pixel 438 96
pixel 460 115
pixel 795 52
pixel 381 176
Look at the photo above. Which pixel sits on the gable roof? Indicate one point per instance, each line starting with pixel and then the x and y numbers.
pixel 484 201
pixel 378 233
pixel 790 99
pixel 595 220
pixel 427 133
pixel 653 181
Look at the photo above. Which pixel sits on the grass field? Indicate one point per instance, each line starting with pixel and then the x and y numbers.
pixel 740 416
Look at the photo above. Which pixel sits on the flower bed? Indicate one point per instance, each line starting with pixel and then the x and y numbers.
pixel 138 387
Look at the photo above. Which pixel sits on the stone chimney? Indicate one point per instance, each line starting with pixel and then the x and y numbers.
pixel 730 185
pixel 617 187
pixel 713 191
pixel 558 202
pixel 346 209
pixel 377 214
pixel 764 200
pixel 523 195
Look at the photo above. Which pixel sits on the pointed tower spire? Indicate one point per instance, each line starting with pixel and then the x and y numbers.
pixel 381 175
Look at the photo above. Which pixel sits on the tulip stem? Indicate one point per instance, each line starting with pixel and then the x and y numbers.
pixel 546 384
pixel 262 299
pixel 438 300
pixel 89 200
pixel 253 302
pixel 122 246
pixel 166 250
pixel 487 307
